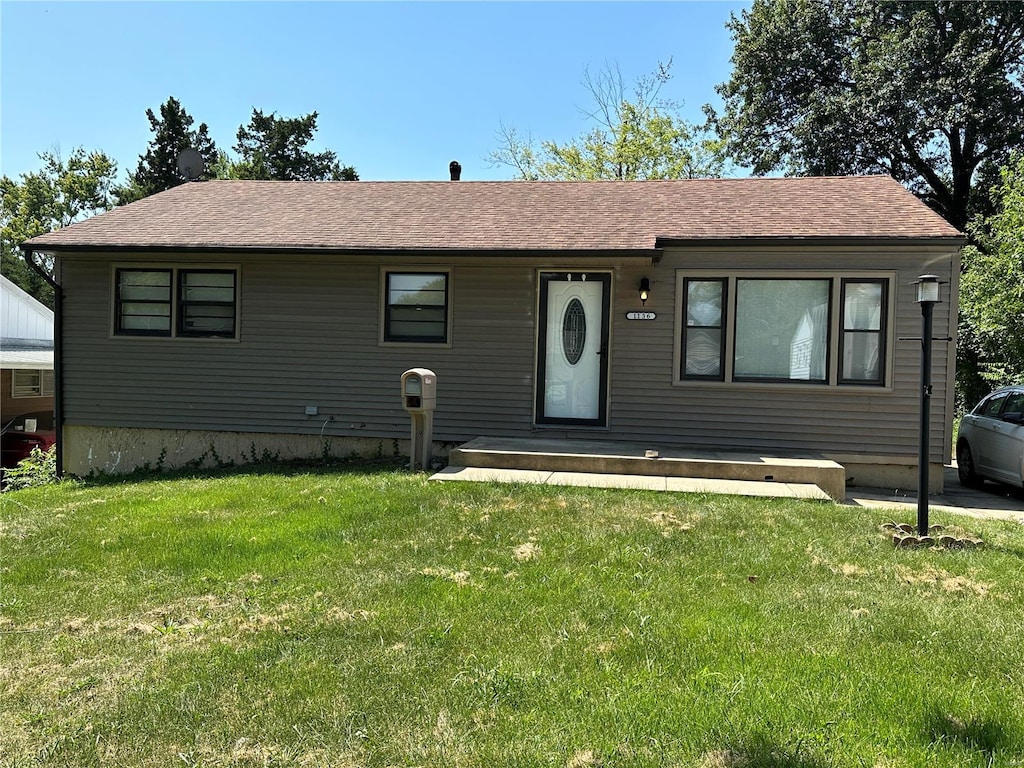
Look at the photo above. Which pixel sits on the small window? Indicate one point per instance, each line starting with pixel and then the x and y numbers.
pixel 206 303
pixel 144 302
pixel 703 337
pixel 574 331
pixel 862 345
pixel 416 307
pixel 31 383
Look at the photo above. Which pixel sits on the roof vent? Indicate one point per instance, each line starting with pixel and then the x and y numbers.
pixel 455 169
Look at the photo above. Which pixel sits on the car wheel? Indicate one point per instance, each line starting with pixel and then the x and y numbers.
pixel 965 467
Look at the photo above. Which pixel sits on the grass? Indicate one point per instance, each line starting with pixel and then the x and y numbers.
pixel 371 618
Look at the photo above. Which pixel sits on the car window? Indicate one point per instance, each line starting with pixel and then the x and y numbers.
pixel 990 407
pixel 1014 407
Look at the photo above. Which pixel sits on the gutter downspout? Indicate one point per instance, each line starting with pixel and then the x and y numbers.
pixel 58 366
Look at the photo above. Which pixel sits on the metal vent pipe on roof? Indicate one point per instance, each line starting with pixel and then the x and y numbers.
pixel 456 170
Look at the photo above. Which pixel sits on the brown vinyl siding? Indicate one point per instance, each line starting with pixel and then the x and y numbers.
pixel 308 334
pixel 831 419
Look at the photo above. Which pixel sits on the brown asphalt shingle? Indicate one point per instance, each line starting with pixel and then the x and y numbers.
pixel 504 215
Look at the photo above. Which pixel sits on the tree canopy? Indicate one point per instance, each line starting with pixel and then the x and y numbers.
pixel 929 92
pixel 272 147
pixel 992 284
pixel 59 194
pixel 158 167
pixel 632 137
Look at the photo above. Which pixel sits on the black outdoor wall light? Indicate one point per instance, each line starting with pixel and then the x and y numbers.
pixel 645 290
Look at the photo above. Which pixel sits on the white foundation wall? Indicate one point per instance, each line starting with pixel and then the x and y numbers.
pixel 119 450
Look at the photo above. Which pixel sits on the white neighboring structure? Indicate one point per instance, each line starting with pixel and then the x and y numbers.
pixel 26 353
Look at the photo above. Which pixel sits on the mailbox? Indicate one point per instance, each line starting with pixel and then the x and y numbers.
pixel 419 390
pixel 419 398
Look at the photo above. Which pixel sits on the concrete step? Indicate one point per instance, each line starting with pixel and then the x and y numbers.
pixel 636 482
pixel 597 457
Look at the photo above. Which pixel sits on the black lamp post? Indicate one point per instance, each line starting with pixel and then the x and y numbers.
pixel 927 297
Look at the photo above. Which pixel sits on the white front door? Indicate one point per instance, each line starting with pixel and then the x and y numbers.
pixel 572 358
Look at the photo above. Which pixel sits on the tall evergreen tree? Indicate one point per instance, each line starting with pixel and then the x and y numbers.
pixel 158 167
pixel 272 147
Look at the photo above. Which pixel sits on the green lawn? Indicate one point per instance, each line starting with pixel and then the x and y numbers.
pixel 371 618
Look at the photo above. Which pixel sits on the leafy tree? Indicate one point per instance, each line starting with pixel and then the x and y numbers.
pixel 158 167
pixel 992 284
pixel 56 196
pixel 272 147
pixel 637 137
pixel 928 92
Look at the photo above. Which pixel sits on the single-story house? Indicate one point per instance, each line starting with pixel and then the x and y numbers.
pixel 226 320
pixel 26 353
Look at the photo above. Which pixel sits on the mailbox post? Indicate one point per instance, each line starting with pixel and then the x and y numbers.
pixel 419 398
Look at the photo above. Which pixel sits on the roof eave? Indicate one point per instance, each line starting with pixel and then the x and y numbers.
pixel 599 253
pixel 815 240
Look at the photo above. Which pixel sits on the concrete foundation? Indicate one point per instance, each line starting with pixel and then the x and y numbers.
pixel 119 450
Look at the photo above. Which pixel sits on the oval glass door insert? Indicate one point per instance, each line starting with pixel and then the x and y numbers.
pixel 574 331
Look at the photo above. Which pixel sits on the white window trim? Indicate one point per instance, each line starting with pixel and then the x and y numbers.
pixel 175 268
pixel 45 388
pixel 831 383
pixel 382 306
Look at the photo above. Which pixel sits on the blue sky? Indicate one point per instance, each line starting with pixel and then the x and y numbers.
pixel 401 88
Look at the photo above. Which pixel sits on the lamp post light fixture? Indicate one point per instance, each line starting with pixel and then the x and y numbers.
pixel 645 291
pixel 927 297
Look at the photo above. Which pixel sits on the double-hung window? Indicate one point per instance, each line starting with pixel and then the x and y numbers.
pixel 772 328
pixel 862 343
pixel 703 329
pixel 416 307
pixel 176 302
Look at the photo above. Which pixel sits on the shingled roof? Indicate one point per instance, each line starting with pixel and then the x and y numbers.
pixel 503 215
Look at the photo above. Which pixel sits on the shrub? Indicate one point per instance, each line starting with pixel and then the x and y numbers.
pixel 39 468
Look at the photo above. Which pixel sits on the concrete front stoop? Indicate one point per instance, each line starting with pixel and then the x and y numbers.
pixel 633 465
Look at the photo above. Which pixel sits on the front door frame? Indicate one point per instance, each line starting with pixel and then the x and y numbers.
pixel 544 278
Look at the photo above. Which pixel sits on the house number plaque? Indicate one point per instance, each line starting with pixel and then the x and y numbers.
pixel 640 315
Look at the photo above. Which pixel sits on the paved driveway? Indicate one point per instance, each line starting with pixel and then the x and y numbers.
pixel 991 500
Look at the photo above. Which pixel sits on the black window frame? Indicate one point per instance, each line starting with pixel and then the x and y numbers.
pixel 183 305
pixel 119 303
pixel 721 327
pixel 882 332
pixel 176 305
pixel 393 338
pixel 734 307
